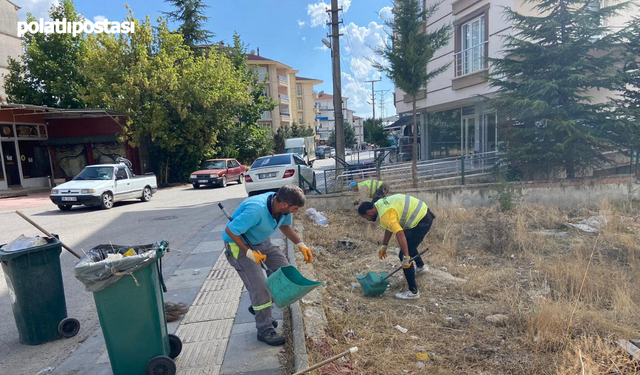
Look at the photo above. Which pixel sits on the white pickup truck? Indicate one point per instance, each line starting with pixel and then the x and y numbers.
pixel 103 185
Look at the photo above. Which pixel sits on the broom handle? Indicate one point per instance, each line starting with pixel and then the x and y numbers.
pixel 244 237
pixel 328 360
pixel 410 260
pixel 47 233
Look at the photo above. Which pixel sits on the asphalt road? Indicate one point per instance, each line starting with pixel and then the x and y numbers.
pixel 174 214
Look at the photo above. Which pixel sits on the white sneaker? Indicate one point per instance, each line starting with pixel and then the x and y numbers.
pixel 407 295
pixel 422 269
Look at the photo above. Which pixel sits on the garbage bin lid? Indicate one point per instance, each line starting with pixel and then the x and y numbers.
pixel 8 255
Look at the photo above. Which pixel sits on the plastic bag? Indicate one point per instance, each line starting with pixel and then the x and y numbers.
pixel 24 242
pixel 104 265
pixel 317 217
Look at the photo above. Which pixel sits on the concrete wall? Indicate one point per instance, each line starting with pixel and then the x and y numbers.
pixel 10 44
pixel 574 193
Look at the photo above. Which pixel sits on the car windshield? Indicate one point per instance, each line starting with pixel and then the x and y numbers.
pixel 95 173
pixel 269 161
pixel 296 150
pixel 213 164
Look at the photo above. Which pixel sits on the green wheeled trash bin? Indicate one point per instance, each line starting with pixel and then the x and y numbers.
pixel 133 320
pixel 34 280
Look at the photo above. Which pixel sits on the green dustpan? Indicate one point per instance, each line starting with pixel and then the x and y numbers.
pixel 287 285
pixel 374 284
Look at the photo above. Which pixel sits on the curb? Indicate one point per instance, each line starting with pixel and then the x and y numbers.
pixel 300 355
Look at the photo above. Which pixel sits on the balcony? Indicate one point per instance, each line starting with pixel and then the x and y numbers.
pixel 284 99
pixel 283 81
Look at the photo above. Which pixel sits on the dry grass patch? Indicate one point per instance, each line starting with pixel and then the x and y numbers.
pixel 567 295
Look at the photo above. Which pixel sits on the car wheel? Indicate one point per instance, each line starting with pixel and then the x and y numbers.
pixel 223 183
pixel 196 186
pixel 106 201
pixel 240 179
pixel 64 207
pixel 146 194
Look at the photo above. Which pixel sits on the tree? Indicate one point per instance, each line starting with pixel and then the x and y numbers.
pixel 374 133
pixel 246 139
pixel 47 72
pixel 349 136
pixel 628 108
pixel 543 81
pixel 190 14
pixel 408 53
pixel 175 102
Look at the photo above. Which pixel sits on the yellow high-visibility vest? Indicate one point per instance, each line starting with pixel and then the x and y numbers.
pixel 372 186
pixel 410 210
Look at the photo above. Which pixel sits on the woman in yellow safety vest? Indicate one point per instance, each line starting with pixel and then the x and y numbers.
pixel 370 189
pixel 410 220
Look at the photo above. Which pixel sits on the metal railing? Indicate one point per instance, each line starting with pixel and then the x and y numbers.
pixel 471 59
pixel 336 180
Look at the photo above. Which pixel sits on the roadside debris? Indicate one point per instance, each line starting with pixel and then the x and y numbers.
pixel 45 371
pixel 401 329
pixel 497 319
pixel 590 225
pixel 317 217
pixel 175 310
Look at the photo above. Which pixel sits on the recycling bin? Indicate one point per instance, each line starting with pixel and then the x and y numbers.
pixel 34 280
pixel 132 315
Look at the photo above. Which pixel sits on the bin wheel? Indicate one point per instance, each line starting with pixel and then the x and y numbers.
pixel 68 327
pixel 161 365
pixel 175 346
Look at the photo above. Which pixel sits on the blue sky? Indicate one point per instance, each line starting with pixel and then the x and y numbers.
pixel 289 31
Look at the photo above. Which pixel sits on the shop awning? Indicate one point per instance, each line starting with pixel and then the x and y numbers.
pixel 406 120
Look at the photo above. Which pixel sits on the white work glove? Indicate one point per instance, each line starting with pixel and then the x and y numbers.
pixel 306 252
pixel 406 262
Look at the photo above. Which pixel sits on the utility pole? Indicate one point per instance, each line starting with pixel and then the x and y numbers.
pixel 373 98
pixel 337 84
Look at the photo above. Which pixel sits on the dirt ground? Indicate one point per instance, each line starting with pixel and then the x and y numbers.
pixel 517 292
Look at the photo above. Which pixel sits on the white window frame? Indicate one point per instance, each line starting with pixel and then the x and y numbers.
pixel 299 89
pixel 299 118
pixel 299 104
pixel 471 57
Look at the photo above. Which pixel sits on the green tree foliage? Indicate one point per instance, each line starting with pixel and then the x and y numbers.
pixel 247 139
pixel 293 131
pixel 349 136
pixel 47 72
pixel 374 133
pixel 408 53
pixel 190 15
pixel 175 102
pixel 543 80
pixel 628 108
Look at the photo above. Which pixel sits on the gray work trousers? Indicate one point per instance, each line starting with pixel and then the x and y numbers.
pixel 255 280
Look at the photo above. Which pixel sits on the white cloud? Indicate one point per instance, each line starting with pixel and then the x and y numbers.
pixel 385 13
pixel 355 91
pixel 318 12
pixel 97 19
pixel 321 48
pixel 304 39
pixel 38 8
pixel 301 23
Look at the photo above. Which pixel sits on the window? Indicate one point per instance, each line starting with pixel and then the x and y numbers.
pixel 34 158
pixel 472 42
pixel 121 174
pixel 235 163
pixel 299 118
pixel 229 164
pixel 262 73
pixel 298 160
pixel 299 89
pixel 594 6
pixel 299 104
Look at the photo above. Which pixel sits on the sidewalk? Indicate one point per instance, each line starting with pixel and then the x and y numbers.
pixel 218 333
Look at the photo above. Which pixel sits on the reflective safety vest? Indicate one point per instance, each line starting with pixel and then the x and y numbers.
pixel 372 186
pixel 410 210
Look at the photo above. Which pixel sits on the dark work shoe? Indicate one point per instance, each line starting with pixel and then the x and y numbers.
pixel 275 323
pixel 271 337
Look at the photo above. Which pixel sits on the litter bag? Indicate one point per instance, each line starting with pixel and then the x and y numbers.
pixel 104 265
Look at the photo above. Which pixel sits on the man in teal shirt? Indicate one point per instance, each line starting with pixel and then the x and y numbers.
pixel 258 218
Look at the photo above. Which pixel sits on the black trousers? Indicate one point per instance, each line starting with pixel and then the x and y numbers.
pixel 415 236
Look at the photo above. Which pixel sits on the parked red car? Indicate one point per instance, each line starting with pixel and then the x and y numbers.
pixel 217 172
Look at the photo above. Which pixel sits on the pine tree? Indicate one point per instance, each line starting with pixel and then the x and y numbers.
pixel 190 14
pixel 628 111
pixel 550 64
pixel 408 55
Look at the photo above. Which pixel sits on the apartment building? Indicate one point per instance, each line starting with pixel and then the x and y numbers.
pixel 358 128
pixel 294 95
pixel 10 43
pixel 326 115
pixel 452 115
